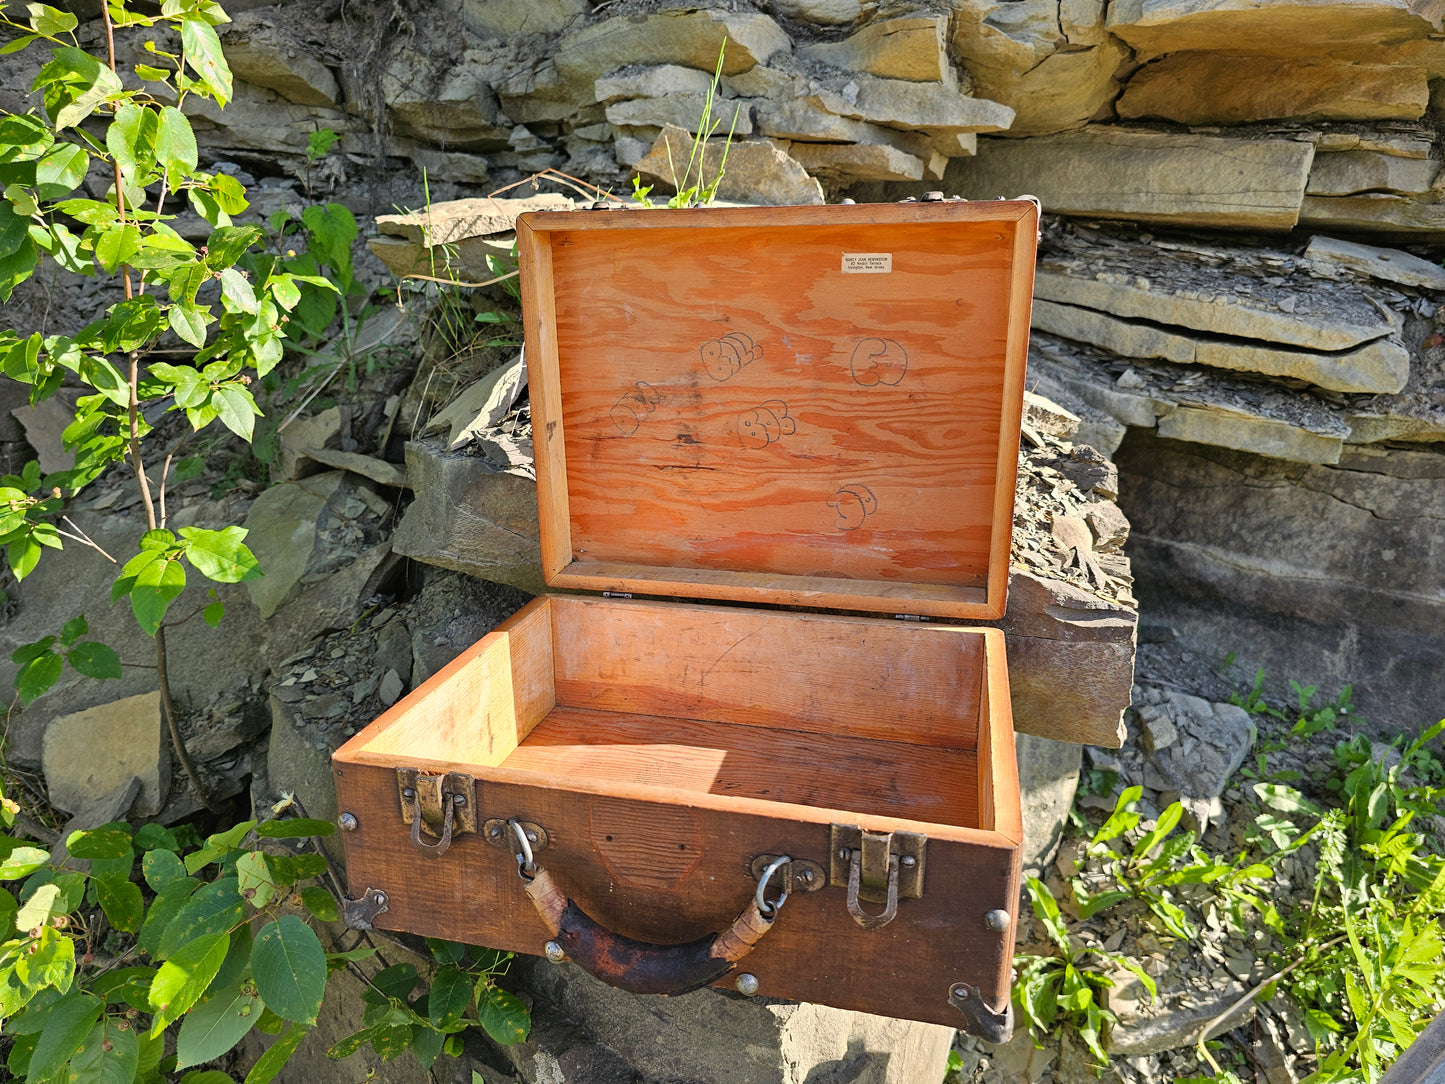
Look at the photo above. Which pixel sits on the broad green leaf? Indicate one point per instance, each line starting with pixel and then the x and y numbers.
pixel 189 324
pixel 22 862
pixel 213 613
pixel 207 1076
pixel 276 1056
pixel 229 194
pixel 156 586
pixel 333 229
pixel 320 903
pixel 285 291
pixel 237 410
pixel 237 293
pixel 426 1045
pixel 152 74
pixel 171 898
pixel 257 882
pixel 120 899
pixel 183 978
pixel 17 44
pixel 116 245
pixel 126 985
pixel 216 1023
pixel 14 229
pixel 94 660
pixel 67 1023
pixel 74 629
pixel 16 267
pixel 109 1054
pixel 451 993
pixel 297 828
pixel 202 50
pixel 149 837
pixel 229 243
pixel 222 556
pixel 51 22
pixel 131 140
pixel 61 171
pixel 502 1015
pixel 24 555
pixel 38 675
pixel 289 967
pixel 37 910
pixel 1286 799
pixel 99 843
pixel 213 908
pixel 75 84
pixel 160 867
pixel 9 908
pixel 175 145
pixel 24 654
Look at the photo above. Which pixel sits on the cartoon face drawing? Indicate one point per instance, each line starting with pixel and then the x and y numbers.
pixel 878 361
pixel 853 503
pixel 632 409
pixel 764 424
pixel 725 357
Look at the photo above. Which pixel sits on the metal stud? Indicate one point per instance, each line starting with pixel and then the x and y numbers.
pixel 409 793
pixel 348 822
pixel 997 920
pixel 379 898
pixel 553 952
pixel 747 984
pixel 908 861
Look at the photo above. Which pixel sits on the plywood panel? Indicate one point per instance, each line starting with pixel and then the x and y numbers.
pixel 890 779
pixel 728 396
pixel 849 676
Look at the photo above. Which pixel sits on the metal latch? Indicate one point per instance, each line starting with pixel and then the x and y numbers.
pixel 439 805
pixel 876 867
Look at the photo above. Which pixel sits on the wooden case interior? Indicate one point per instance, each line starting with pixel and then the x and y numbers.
pixel 834 717
pixel 807 406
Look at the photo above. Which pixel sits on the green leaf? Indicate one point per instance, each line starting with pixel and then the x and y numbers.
pixel 216 1023
pixel 38 675
pixel 502 1015
pixel 61 171
pixel 126 985
pixel 277 1055
pixel 22 862
pixel 99 843
pixel 207 1076
pixel 236 409
pixel 24 555
pixel 289 967
pixel 320 903
pixel 74 629
pixel 223 557
pixel 109 1054
pixel 202 50
pixel 75 84
pixel 67 1023
pixel 451 992
pixel 213 613
pixel 38 909
pixel 1286 799
pixel 156 586
pixel 183 978
pixel 131 140
pixel 175 146
pixel 297 828
pixel 51 22
pixel 257 883
pixel 120 899
pixel 94 660
pixel 229 243
pixel 214 908
pixel 333 229
pixel 237 293
pixel 116 245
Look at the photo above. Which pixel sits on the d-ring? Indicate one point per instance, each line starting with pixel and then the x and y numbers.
pixel 435 850
pixel 770 910
pixel 855 877
pixel 526 865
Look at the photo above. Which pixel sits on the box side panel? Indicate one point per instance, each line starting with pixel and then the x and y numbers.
pixel 477 708
pixel 839 675
pixel 667 873
pixel 770 406
pixel 1000 800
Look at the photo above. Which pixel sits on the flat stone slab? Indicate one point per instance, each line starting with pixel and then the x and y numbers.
pixel 130 734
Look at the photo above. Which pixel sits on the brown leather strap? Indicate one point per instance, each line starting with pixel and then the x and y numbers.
pixel 639 966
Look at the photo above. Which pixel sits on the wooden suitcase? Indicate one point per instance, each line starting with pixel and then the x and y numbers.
pixel 793 409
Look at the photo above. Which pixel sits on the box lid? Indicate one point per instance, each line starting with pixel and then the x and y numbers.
pixel 808 406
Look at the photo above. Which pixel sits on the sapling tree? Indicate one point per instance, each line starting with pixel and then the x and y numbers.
pixel 227 303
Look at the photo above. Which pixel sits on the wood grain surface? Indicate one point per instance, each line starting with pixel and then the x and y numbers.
pixel 714 393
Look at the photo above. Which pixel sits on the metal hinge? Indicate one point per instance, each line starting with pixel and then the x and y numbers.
pixel 909 617
pixel 616 594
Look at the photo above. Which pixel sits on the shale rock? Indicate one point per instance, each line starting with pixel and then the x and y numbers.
pixel 1385 264
pixel 911 48
pixel 898 103
pixel 757 172
pixel 133 736
pixel 262 55
pixel 506 19
pixel 1111 172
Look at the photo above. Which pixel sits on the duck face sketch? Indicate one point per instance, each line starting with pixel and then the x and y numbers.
pixel 725 357
pixel 878 361
pixel 634 407
pixel 764 424
pixel 853 503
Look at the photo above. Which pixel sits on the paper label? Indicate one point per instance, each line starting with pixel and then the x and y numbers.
pixel 867 263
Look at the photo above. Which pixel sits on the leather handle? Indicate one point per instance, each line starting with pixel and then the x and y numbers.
pixel 639 966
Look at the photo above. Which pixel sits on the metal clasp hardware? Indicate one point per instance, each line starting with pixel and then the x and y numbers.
pixel 876 867
pixel 442 806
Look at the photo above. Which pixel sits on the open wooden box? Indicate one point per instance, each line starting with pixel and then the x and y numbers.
pixel 784 407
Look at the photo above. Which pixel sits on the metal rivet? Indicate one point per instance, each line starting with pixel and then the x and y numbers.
pixel 348 822
pixel 908 861
pixel 379 898
pixel 409 792
pixel 806 876
pixel 531 837
pixel 747 984
pixel 494 832
pixel 843 853
pixel 459 799
pixel 553 952
pixel 997 920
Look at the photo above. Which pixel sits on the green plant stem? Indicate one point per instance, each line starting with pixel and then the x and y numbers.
pixel 168 707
